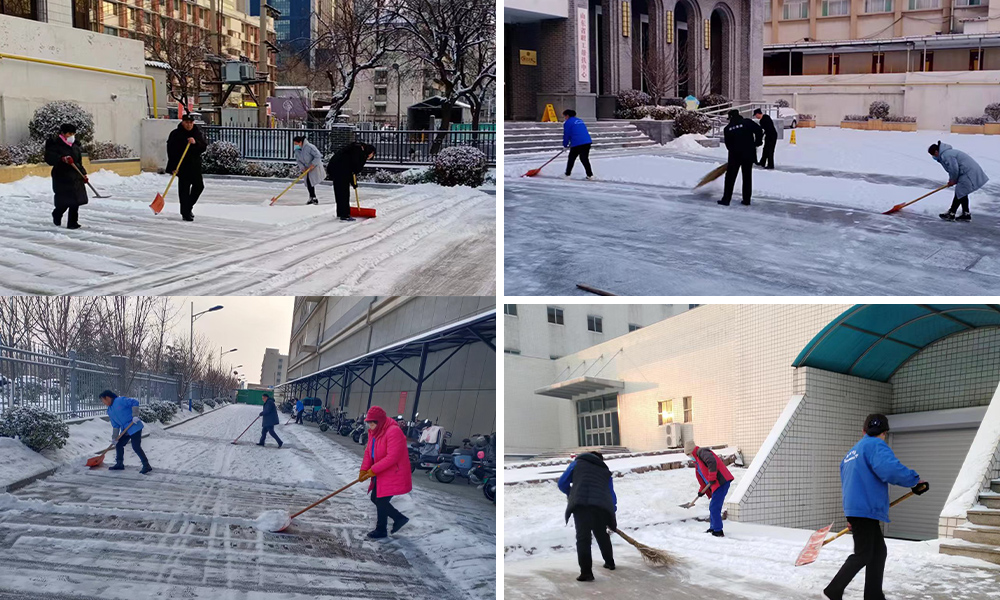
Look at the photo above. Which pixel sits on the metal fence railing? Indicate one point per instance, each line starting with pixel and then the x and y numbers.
pixel 391 146
pixel 70 387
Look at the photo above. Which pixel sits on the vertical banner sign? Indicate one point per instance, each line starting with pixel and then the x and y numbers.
pixel 583 45
pixel 402 403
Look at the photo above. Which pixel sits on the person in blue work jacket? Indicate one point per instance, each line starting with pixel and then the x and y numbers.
pixel 124 415
pixel 577 139
pixel 299 409
pixel 592 502
pixel 865 475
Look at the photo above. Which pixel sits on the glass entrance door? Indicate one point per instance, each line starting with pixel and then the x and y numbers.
pixel 598 421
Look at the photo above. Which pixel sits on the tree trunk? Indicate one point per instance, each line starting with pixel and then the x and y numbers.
pixel 477 111
pixel 442 135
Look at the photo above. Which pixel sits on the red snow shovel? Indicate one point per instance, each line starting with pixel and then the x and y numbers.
pixel 245 430
pixel 900 207
pixel 817 541
pixel 96 461
pixel 534 172
pixel 357 211
pixel 85 180
pixel 292 184
pixel 288 521
pixel 159 202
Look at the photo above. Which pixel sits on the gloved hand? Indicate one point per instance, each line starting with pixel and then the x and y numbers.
pixel 364 475
pixel 191 141
pixel 135 420
pixel 86 179
pixel 68 160
pixel 952 183
pixel 700 494
pixel 921 487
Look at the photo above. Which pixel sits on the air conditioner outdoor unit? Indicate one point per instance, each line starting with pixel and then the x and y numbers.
pixel 675 435
pixel 247 71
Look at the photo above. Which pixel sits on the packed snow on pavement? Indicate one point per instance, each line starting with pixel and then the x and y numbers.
pixel 189 528
pixel 751 562
pixel 816 226
pixel 239 244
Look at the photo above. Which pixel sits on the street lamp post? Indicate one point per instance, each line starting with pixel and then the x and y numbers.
pixel 399 123
pixel 191 349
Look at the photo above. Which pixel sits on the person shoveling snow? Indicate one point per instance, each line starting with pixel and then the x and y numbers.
pixel 713 479
pixel 387 464
pixel 124 414
pixel 963 173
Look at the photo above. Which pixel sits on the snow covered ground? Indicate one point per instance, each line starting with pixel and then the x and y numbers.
pixel 552 470
pixel 188 529
pixel 426 239
pixel 815 228
pixel 752 561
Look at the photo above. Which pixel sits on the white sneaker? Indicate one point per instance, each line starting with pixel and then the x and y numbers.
pixel 565 176
pixel 590 178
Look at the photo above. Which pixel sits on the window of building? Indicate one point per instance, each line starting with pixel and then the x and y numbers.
pixel 833 64
pixel 836 8
pixel 555 315
pixel 633 327
pixel 690 306
pixel 924 4
pixel 767 10
pixel 510 309
pixel 969 3
pixel 664 412
pixel 795 9
pixel 974 60
pixel 110 30
pixel 381 76
pixel 878 62
pixel 595 324
pixel 688 412
pixel 26 9
pixel 878 6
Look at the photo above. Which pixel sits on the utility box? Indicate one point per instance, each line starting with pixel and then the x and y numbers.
pixel 251 396
pixel 238 72
pixel 238 117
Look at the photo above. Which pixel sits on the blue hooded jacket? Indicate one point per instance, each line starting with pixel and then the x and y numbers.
pixel 575 132
pixel 865 475
pixel 120 413
pixel 299 406
pixel 965 172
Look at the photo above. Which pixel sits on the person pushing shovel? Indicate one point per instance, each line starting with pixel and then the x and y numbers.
pixel 387 465
pixel 187 135
pixel 865 474
pixel 592 502
pixel 343 170
pixel 124 415
pixel 64 153
pixel 308 155
pixel 713 481
pixel 964 174
pixel 270 414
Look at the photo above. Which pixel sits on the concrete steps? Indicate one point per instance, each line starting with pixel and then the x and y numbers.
pixel 525 138
pixel 980 537
pixel 972 550
pixel 605 450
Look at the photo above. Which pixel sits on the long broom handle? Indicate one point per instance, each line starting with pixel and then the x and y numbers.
pixel 357 200
pixel 297 179
pixel 925 195
pixel 247 429
pixel 174 175
pixel 893 503
pixel 325 498
pixel 108 449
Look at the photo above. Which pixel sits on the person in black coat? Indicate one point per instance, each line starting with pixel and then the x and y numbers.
pixel 592 503
pixel 189 176
pixel 65 154
pixel 343 169
pixel 270 414
pixel 742 137
pixel 770 138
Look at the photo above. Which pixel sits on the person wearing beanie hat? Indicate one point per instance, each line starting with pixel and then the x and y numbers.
pixel 124 415
pixel 591 500
pixel 713 481
pixel 270 413
pixel 742 136
pixel 865 474
pixel 387 465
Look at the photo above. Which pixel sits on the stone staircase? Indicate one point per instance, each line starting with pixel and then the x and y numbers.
pixel 528 137
pixel 980 537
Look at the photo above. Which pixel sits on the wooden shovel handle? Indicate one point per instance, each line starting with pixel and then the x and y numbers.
pixel 927 194
pixel 325 498
pixel 108 449
pixel 893 503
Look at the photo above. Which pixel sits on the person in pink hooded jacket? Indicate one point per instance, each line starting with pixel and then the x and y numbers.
pixel 387 464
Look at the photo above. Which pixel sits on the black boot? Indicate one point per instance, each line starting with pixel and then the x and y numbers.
pixel 398 523
pixel 609 566
pixel 718 533
pixel 585 577
pixel 313 201
pixel 948 216
pixel 964 217
pixel 146 469
pixel 745 203
pixel 117 467
pixel 723 202
pixel 56 218
pixel 376 534
pixel 709 530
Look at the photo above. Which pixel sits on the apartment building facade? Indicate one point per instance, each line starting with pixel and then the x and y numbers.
pixel 273 368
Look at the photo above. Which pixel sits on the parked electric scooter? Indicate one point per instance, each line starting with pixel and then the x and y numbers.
pixel 346 426
pixel 464 462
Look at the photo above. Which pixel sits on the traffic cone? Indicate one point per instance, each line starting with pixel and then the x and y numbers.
pixel 792 140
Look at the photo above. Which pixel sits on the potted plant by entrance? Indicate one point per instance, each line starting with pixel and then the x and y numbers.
pixel 992 118
pixel 807 120
pixel 854 122
pixel 899 123
pixel 968 125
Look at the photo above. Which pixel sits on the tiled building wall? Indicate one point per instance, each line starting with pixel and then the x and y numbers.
pixel 768 338
pixel 957 372
pixel 801 484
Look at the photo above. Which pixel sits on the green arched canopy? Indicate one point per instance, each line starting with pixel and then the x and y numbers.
pixel 873 340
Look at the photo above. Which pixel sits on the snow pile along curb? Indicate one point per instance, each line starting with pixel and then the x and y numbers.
pixel 21 465
pixel 618 466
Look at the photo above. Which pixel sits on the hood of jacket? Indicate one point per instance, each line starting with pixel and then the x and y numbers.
pixel 942 148
pixel 377 414
pixel 592 459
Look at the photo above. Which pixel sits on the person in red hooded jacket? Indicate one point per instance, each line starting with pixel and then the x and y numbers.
pixel 387 464
pixel 713 480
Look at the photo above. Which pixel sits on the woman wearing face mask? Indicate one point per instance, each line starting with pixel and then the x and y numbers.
pixel 65 154
pixel 308 155
pixel 387 464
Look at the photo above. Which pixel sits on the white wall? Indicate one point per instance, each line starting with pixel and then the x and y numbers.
pixel 935 98
pixel 533 423
pixel 153 142
pixel 27 86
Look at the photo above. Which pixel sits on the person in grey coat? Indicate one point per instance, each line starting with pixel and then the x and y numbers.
pixel 963 173
pixel 307 155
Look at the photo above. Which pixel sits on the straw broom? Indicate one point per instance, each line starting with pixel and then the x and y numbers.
pixel 655 557
pixel 712 175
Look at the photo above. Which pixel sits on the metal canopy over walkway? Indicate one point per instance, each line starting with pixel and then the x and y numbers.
pixel 368 368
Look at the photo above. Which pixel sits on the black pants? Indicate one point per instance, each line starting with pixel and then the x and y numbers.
pixel 591 520
pixel 136 439
pixel 963 202
pixel 342 192
pixel 583 151
pixel 191 187
pixel 267 430
pixel 384 509
pixel 74 214
pixel 311 188
pixel 737 164
pixel 298 417
pixel 869 554
pixel 767 155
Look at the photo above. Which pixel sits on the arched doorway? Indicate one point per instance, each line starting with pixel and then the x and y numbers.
pixel 720 51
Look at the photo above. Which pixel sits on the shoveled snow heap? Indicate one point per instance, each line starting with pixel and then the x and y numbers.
pixel 273 520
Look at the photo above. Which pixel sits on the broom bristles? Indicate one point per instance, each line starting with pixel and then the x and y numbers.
pixel 653 556
pixel 712 175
